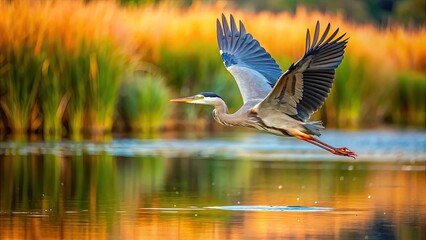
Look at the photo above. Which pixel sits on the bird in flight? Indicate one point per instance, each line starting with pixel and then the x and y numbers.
pixel 276 102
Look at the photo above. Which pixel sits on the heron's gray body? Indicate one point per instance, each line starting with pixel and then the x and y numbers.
pixel 277 124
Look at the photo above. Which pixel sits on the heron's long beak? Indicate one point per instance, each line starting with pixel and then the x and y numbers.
pixel 183 99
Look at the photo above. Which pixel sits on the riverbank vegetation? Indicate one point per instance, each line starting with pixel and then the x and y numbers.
pixel 68 67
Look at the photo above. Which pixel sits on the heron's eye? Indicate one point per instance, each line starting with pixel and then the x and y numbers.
pixel 199 96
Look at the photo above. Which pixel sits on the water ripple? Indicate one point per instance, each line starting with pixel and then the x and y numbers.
pixel 272 208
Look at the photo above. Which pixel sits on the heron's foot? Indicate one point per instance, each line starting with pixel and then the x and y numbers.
pixel 344 151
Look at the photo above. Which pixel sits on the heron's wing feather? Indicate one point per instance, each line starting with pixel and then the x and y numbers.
pixel 255 71
pixel 303 88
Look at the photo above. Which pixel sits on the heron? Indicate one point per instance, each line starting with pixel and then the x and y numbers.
pixel 274 101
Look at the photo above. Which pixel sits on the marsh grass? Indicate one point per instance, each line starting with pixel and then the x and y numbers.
pixel 106 69
pixel 143 102
pixel 409 103
pixel 74 85
pixel 345 101
pixel 75 78
pixel 52 98
pixel 20 79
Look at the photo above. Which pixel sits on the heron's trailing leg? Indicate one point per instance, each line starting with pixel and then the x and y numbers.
pixel 343 151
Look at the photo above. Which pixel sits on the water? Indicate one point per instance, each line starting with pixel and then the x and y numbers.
pixel 228 186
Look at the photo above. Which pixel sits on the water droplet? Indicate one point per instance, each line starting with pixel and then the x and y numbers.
pixel 195 214
pixel 341 178
pixel 297 199
pixel 384 213
pixel 369 196
pixel 315 202
pixel 62 184
pixel 238 202
pixel 280 186
pixel 174 205
pixel 177 192
pixel 350 167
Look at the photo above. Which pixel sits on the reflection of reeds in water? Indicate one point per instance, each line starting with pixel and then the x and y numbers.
pixel 85 195
pixel 382 71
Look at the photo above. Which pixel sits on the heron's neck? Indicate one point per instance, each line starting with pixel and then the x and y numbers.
pixel 220 113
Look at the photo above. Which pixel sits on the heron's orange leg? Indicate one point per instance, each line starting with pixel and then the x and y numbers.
pixel 343 151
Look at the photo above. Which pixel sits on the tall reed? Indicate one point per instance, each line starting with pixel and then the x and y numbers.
pixel 20 79
pixel 409 104
pixel 75 79
pixel 143 102
pixel 106 69
pixel 52 98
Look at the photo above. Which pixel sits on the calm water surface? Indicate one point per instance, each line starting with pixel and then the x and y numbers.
pixel 230 186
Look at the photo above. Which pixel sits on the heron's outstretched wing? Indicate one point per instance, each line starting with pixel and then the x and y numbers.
pixel 255 71
pixel 303 88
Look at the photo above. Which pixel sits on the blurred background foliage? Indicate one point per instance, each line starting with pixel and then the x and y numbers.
pixel 68 67
pixel 380 12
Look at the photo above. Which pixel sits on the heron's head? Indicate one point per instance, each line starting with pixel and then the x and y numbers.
pixel 205 98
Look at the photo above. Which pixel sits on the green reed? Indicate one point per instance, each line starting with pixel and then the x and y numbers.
pixel 52 98
pixel 20 76
pixel 75 76
pixel 143 102
pixel 90 78
pixel 409 103
pixel 344 103
pixel 106 69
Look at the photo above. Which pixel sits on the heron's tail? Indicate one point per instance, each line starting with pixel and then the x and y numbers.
pixel 314 127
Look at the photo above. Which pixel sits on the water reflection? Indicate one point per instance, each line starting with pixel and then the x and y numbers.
pixel 85 190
